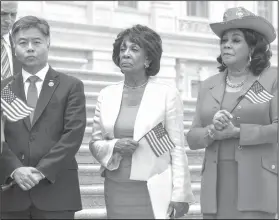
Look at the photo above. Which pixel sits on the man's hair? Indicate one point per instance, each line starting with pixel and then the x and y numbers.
pixel 28 22
pixel 147 39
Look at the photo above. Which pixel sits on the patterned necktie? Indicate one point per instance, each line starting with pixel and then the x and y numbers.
pixel 32 94
pixel 5 63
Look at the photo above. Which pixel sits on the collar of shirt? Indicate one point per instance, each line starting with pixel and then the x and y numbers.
pixel 41 74
pixel 6 37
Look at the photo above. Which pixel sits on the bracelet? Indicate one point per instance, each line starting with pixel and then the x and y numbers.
pixel 210 134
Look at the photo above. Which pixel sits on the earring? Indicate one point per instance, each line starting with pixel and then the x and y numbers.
pixel 267 48
pixel 146 66
pixel 250 59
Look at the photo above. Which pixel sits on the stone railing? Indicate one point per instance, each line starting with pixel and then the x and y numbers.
pixel 193 25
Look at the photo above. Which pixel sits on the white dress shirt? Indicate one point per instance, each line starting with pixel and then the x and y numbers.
pixel 39 84
pixel 7 45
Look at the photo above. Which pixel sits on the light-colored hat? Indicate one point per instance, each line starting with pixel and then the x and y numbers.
pixel 242 18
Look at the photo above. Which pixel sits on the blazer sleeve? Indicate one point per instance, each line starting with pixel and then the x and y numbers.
pixel 64 151
pixel 8 160
pixel 182 191
pixel 253 134
pixel 8 163
pixel 197 135
pixel 100 145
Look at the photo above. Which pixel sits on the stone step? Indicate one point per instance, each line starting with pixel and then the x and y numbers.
pixel 100 213
pixel 195 157
pixel 190 103
pixel 90 174
pixel 87 135
pixel 91 97
pixel 93 195
pixel 195 172
pixel 92 75
pixel 84 156
pixel 188 113
pixel 95 213
pixel 90 110
pixel 67 62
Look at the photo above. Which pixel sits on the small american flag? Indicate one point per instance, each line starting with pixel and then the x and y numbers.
pixel 257 94
pixel 159 140
pixel 13 108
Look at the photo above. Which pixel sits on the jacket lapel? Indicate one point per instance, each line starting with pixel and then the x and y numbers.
pixel 49 85
pixel 146 118
pixel 111 108
pixel 139 127
pixel 18 89
pixel 217 89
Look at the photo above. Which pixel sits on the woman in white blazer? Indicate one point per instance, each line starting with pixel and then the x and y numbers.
pixel 138 184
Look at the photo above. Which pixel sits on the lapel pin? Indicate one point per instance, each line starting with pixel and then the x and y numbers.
pixel 51 84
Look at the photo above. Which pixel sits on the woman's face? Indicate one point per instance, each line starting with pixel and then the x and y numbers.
pixel 234 48
pixel 131 57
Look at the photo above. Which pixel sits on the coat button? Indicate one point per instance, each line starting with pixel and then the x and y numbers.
pixel 239 147
pixel 273 167
pixel 239 107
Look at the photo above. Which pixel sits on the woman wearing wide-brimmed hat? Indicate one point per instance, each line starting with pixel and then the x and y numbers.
pixel 236 122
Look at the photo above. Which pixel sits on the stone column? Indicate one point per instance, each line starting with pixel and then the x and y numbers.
pixel 100 12
pixel 162 16
pixel 180 78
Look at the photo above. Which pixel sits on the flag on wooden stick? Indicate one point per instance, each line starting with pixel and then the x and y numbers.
pixel 258 94
pixel 159 140
pixel 13 107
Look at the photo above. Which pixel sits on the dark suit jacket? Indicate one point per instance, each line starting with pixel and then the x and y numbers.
pixel 16 64
pixel 255 150
pixel 50 145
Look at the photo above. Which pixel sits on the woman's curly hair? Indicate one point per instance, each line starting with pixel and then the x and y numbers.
pixel 147 39
pixel 261 54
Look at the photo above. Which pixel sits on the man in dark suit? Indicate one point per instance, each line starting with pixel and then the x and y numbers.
pixel 40 152
pixel 9 62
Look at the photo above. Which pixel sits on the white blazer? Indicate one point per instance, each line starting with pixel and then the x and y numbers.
pixel 167 176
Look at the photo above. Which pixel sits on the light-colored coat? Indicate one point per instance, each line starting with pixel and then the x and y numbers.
pixel 168 176
pixel 255 150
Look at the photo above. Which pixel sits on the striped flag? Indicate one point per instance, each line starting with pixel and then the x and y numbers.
pixel 159 140
pixel 257 94
pixel 13 108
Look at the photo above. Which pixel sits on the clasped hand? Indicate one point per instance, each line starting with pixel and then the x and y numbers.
pixel 177 209
pixel 222 127
pixel 126 146
pixel 27 177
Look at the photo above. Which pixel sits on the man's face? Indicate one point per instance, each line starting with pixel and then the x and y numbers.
pixel 31 49
pixel 8 15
